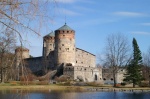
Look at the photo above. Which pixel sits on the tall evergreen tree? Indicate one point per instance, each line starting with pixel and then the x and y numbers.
pixel 134 74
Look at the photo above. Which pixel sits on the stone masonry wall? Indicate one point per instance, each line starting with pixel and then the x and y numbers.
pixel 84 58
pixel 64 47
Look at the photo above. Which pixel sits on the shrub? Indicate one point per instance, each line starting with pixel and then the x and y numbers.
pixel 43 83
pixel 123 84
pixel 144 84
pixel 63 78
pixel 94 84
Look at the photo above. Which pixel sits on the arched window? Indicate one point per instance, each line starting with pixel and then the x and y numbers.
pixel 95 77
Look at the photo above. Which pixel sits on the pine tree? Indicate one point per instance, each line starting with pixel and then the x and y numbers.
pixel 134 74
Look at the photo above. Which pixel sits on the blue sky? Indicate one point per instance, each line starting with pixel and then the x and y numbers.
pixel 94 20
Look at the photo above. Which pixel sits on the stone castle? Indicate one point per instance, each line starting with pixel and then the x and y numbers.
pixel 60 53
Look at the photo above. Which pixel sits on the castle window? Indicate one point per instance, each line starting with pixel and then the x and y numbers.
pixel 67 31
pixel 63 35
pixel 63 31
pixel 59 48
pixel 82 62
pixel 111 79
pixel 104 78
pixel 50 44
pixel 85 69
pixel 67 49
pixel 76 61
pixel 62 44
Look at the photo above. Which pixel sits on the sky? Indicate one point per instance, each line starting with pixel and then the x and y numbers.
pixel 94 20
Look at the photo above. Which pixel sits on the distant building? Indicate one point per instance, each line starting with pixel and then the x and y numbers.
pixel 108 75
pixel 60 53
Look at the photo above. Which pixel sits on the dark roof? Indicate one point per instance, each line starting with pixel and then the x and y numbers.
pixel 50 34
pixel 65 27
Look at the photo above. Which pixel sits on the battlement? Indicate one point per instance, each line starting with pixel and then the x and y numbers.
pixel 20 49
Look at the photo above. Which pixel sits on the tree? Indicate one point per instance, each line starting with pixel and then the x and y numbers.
pixel 134 73
pixel 23 17
pixel 19 15
pixel 116 53
pixel 146 66
pixel 7 45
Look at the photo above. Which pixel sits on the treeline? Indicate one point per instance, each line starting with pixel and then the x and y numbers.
pixel 118 53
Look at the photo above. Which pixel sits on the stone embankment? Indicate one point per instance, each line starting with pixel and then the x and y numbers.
pixel 118 89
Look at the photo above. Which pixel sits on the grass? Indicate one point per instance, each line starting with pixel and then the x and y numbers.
pixel 51 87
pixel 54 87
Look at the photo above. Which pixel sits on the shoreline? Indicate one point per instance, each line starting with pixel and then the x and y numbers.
pixel 72 88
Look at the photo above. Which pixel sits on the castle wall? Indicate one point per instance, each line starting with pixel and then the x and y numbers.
pixel 108 75
pixel 120 75
pixel 88 74
pixel 34 64
pixel 84 58
pixel 69 70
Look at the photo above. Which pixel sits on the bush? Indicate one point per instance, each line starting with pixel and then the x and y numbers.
pixel 144 84
pixel 94 84
pixel 123 84
pixel 63 78
pixel 43 83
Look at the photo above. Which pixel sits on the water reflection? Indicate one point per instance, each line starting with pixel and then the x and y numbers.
pixel 27 94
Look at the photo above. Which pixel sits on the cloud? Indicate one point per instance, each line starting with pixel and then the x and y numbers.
pixel 69 12
pixel 84 9
pixel 145 24
pixel 129 14
pixel 140 33
pixel 65 1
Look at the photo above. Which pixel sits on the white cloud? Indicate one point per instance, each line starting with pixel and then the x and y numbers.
pixel 129 14
pixel 65 1
pixel 141 33
pixel 69 12
pixel 145 24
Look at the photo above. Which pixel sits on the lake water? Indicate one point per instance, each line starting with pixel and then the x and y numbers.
pixel 13 94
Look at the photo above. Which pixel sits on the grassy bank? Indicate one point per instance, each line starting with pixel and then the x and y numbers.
pixel 55 87
pixel 51 87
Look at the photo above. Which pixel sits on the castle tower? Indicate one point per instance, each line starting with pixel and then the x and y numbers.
pixel 21 53
pixel 65 46
pixel 48 43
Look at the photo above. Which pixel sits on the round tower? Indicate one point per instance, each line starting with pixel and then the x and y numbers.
pixel 21 53
pixel 48 43
pixel 65 46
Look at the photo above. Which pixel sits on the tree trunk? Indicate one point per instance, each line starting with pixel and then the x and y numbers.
pixel 2 75
pixel 149 80
pixel 133 83
pixel 114 76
